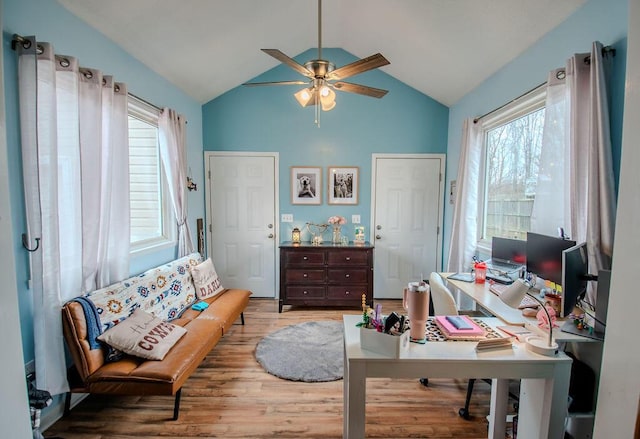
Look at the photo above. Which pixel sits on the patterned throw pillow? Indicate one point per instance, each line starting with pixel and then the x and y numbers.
pixel 143 335
pixel 206 280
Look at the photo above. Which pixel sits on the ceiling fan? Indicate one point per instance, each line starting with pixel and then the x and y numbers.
pixel 323 77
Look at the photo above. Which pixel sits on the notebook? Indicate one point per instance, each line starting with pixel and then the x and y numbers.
pixel 450 331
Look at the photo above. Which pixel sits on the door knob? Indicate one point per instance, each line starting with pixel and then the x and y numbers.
pixel 270 226
pixel 378 237
pixel 378 227
pixel 270 235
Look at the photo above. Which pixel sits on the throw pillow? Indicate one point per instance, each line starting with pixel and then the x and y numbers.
pixel 143 335
pixel 206 280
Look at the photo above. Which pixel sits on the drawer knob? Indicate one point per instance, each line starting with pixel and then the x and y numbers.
pixel 305 258
pixel 346 293
pixel 347 258
pixel 347 275
pixel 305 292
pixel 305 275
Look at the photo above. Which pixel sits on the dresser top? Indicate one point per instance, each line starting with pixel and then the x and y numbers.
pixel 307 244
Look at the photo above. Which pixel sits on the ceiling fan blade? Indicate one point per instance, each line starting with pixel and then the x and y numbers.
pixel 360 89
pixel 288 61
pixel 251 84
pixel 360 66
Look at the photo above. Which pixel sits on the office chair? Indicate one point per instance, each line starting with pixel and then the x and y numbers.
pixel 445 305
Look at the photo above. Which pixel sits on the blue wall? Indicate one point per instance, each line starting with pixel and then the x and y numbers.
pixel 270 119
pixel 49 21
pixel 597 20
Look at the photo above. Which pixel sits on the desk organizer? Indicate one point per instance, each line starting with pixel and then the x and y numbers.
pixel 385 344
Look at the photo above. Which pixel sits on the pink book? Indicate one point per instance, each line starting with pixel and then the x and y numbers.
pixel 449 328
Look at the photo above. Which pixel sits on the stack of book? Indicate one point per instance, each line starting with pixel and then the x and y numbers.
pixel 494 343
pixel 459 328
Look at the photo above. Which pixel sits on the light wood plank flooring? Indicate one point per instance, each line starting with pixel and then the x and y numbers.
pixel 230 396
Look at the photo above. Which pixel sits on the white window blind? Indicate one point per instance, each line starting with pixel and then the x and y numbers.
pixel 150 214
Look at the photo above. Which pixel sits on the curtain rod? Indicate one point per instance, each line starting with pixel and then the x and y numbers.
pixel 146 102
pixel 605 51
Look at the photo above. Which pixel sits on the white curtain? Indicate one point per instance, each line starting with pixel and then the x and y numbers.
pixel 67 184
pixel 576 155
pixel 464 234
pixel 173 151
pixel 551 206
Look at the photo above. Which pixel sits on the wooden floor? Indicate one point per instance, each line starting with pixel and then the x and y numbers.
pixel 230 396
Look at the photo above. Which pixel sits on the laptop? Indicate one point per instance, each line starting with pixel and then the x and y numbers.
pixel 507 255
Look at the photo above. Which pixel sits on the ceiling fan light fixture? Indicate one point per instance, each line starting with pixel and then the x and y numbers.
pixel 304 96
pixel 327 99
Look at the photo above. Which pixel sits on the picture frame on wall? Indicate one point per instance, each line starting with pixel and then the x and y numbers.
pixel 343 184
pixel 306 185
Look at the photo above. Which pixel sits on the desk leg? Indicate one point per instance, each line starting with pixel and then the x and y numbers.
pixel 354 401
pixel 543 405
pixel 498 411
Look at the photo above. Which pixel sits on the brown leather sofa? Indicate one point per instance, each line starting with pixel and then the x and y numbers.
pixel 136 376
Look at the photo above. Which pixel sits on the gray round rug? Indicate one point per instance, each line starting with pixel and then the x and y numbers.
pixel 309 352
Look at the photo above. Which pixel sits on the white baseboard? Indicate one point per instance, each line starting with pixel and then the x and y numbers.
pixel 49 417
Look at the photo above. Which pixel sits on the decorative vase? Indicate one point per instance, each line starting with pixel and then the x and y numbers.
pixel 336 235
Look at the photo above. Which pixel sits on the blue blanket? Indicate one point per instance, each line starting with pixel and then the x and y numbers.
pixel 94 327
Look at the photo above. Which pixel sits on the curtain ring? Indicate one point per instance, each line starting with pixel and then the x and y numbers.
pixel 25 243
pixel 561 74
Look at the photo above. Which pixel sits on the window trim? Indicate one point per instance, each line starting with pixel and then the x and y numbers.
pixel 146 112
pixel 527 103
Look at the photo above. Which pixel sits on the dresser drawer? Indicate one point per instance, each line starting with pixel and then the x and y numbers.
pixel 348 257
pixel 303 275
pixel 305 258
pixel 305 292
pixel 348 275
pixel 352 292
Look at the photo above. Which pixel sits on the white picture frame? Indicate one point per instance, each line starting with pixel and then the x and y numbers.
pixel 343 185
pixel 306 185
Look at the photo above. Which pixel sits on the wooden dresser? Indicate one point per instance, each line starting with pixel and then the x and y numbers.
pixel 325 275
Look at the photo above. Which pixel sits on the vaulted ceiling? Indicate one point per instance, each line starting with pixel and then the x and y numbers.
pixel 443 48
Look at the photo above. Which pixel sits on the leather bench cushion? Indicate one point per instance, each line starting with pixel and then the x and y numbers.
pixel 226 307
pixel 136 376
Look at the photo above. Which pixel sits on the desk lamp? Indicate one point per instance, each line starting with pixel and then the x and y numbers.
pixel 512 296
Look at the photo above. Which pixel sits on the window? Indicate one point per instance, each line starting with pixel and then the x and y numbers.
pixel 151 212
pixel 511 155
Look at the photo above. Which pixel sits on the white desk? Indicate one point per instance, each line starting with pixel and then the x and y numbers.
pixel 481 294
pixel 543 390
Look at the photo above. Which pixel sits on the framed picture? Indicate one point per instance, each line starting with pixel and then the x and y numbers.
pixel 343 185
pixel 306 185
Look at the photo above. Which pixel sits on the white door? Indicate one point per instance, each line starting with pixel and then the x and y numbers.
pixel 241 219
pixel 407 197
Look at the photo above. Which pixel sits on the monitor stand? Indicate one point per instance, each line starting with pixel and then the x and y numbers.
pixel 570 327
pixel 602 303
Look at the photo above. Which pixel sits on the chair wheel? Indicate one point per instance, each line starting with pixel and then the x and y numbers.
pixel 464 413
pixel 424 381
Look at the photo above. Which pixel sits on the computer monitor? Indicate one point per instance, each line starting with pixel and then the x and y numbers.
pixel 575 275
pixel 544 256
pixel 509 251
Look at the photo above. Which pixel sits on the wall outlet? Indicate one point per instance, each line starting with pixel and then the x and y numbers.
pixel 355 219
pixel 287 218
